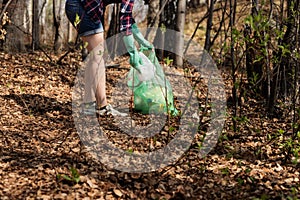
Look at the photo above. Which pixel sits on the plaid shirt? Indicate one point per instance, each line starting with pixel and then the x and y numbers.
pixel 95 9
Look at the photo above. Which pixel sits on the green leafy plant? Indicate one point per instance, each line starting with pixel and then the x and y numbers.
pixel 294 194
pixel 240 181
pixel 74 176
pixel 163 28
pixel 77 20
pixel 172 129
pixel 225 171
pixel 168 61
pixel 130 151
pixel 199 145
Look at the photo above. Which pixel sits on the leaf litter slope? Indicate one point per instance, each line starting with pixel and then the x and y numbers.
pixel 39 142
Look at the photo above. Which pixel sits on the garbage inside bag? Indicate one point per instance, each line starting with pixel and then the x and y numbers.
pixel 152 91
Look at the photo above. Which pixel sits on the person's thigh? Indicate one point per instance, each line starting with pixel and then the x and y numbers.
pixel 94 41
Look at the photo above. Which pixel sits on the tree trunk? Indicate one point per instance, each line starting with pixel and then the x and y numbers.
pixel 180 28
pixel 289 40
pixel 233 4
pixel 159 39
pixel 207 44
pixel 56 23
pixel 170 23
pixel 152 19
pixel 167 21
pixel 283 81
pixel 15 37
pixel 35 25
pixel 253 42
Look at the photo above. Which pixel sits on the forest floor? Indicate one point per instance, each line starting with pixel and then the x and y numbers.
pixel 43 157
pixel 43 154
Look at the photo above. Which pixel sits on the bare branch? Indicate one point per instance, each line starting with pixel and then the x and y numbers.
pixel 5 8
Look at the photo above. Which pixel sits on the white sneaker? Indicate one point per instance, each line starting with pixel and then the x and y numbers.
pixel 110 110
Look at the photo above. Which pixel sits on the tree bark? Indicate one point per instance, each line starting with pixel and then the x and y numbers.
pixel 159 39
pixel 56 24
pixel 289 40
pixel 254 67
pixel 35 26
pixel 152 19
pixel 233 4
pixel 180 28
pixel 15 37
pixel 207 44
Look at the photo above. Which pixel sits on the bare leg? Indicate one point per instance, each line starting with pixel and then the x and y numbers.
pixel 95 79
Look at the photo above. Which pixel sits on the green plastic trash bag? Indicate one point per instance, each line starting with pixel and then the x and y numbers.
pixel 152 91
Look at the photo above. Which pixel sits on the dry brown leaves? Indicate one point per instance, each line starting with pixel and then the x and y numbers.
pixel 39 144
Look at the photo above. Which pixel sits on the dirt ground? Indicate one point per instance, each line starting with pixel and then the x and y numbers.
pixel 43 157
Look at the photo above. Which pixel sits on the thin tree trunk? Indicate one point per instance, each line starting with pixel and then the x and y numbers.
pixel 56 23
pixel 255 50
pixel 152 19
pixel 159 40
pixel 15 37
pixel 170 23
pixel 180 28
pixel 35 26
pixel 282 82
pixel 207 44
pixel 233 62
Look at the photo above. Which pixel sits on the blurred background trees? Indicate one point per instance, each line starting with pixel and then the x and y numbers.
pixel 258 40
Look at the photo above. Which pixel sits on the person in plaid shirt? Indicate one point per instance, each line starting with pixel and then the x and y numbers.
pixel 95 9
pixel 87 16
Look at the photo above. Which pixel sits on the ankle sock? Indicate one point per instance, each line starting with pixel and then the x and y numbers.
pixel 102 108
